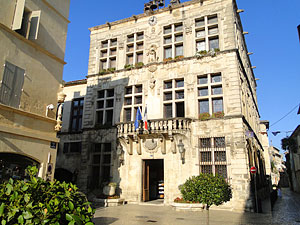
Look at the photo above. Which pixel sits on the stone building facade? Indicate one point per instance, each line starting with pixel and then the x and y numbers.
pixel 187 68
pixel 32 47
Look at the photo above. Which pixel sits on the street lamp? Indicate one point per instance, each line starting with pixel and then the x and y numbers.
pixel 181 150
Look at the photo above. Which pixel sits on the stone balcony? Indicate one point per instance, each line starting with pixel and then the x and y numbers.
pixel 156 128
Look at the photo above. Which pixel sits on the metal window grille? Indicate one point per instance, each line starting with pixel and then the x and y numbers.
pixel 212 156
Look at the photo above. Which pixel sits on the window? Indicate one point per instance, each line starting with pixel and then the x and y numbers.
pixel 26 22
pixel 173 41
pixel 11 85
pixel 207 31
pixel 210 93
pixel 173 98
pixel 72 147
pixel 212 156
pixel 108 54
pixel 135 48
pixel 101 163
pixel 76 115
pixel 132 100
pixel 104 107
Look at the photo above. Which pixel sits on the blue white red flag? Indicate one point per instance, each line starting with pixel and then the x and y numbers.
pixel 138 117
pixel 145 119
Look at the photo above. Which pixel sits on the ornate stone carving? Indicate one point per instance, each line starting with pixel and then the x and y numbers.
pixel 151 146
pixel 188 30
pixel 60 98
pixel 152 54
pixel 152 68
pixel 152 82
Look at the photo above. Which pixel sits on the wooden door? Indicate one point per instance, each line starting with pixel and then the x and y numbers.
pixel 146 173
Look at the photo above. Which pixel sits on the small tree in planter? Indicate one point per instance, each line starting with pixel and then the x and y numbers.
pixel 207 189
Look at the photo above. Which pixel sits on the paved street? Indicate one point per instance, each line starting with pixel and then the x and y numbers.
pixel 286 211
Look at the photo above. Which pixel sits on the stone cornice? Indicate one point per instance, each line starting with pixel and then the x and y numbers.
pixel 136 17
pixel 28 114
pixel 55 10
pixel 32 44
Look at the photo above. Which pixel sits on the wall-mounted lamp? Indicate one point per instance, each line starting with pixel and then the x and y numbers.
pixel 181 150
pixel 120 153
pixel 49 107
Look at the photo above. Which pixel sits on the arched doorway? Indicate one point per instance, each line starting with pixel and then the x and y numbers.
pixel 14 165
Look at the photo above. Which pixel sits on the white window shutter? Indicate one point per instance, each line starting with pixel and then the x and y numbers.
pixel 34 25
pixel 18 17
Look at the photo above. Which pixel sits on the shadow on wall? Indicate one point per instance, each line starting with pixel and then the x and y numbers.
pixel 49 63
pixel 96 131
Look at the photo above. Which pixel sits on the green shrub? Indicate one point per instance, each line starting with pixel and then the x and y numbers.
pixel 36 201
pixel 207 189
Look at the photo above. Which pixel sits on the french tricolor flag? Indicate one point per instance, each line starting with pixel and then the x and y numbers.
pixel 145 119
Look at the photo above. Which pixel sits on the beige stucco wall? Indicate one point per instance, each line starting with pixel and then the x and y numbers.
pixel 28 129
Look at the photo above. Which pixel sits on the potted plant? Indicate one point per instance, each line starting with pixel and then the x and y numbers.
pixel 110 189
pixel 177 58
pixel 139 65
pixel 204 116
pixel 218 114
pixel 168 59
pixel 128 66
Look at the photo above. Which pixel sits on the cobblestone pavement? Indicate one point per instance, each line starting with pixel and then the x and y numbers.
pixel 286 212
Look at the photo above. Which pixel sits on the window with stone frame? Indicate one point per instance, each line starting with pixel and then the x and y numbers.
pixel 212 156
pixel 210 93
pixel 101 162
pixel 72 147
pixel 105 107
pixel 173 41
pixel 76 115
pixel 135 48
pixel 207 33
pixel 133 98
pixel 108 54
pixel 173 98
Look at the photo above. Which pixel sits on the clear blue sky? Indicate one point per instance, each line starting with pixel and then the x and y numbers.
pixel 273 37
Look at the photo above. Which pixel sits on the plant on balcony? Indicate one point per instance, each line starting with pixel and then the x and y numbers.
pixel 111 70
pixel 204 116
pixel 36 201
pixel 139 65
pixel 128 66
pixel 201 54
pixel 102 72
pixel 177 58
pixel 207 189
pixel 168 59
pixel 218 115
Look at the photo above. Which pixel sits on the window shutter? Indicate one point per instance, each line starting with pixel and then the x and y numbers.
pixel 18 85
pixel 18 17
pixel 34 25
pixel 6 88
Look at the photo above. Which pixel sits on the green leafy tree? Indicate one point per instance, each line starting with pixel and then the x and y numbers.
pixel 36 201
pixel 208 189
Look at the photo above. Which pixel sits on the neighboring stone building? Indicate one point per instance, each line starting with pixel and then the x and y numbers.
pixel 32 48
pixel 294 159
pixel 187 67
pixel 277 164
pixel 264 127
